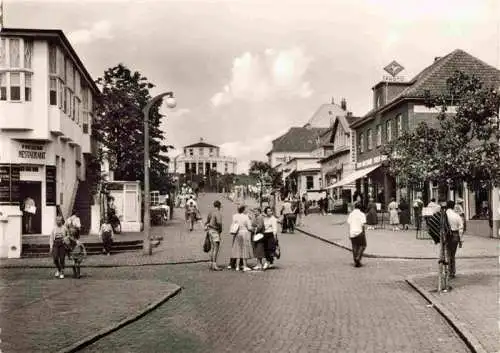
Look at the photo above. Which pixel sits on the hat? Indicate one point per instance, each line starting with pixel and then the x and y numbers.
pixel 258 236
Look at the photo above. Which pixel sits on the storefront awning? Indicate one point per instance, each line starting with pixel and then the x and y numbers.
pixel 354 176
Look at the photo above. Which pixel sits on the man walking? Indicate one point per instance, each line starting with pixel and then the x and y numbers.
pixel 357 221
pixel 214 229
pixel 454 238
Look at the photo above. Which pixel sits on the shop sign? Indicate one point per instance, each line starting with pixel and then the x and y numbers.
pixel 32 151
pixel 50 185
pixel 394 68
pixel 10 188
pixel 4 184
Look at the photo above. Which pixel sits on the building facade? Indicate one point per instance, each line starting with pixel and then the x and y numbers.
pixel 400 106
pixel 46 105
pixel 202 158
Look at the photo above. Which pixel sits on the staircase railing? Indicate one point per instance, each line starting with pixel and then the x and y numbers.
pixel 71 203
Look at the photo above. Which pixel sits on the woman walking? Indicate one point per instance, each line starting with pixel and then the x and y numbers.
pixel 270 237
pixel 393 214
pixel 242 244
pixel 405 217
pixel 371 217
pixel 57 245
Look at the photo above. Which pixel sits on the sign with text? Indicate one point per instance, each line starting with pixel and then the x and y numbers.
pixel 31 151
pixel 50 185
pixel 4 184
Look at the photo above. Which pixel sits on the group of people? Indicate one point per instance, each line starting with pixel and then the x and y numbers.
pixel 254 236
pixel 64 241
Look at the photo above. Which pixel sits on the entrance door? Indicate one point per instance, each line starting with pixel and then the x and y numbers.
pixel 33 190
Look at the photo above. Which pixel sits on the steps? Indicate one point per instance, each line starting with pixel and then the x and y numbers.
pixel 93 248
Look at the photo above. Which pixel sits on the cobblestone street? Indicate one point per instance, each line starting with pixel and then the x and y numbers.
pixel 314 301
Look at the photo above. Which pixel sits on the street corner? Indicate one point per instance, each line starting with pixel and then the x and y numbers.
pixel 73 313
pixel 470 306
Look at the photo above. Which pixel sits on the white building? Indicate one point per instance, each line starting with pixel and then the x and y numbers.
pixel 201 158
pixel 46 99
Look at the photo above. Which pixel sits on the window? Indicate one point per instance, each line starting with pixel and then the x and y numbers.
pixel 28 53
pixel 3 49
pixel 309 182
pixel 201 151
pixel 214 165
pixel 186 166
pixel 388 130
pixel 399 125
pixel 53 91
pixel 53 59
pixel 211 151
pixel 15 86
pixel 3 86
pixel 191 153
pixel 14 55
pixel 200 168
pixel 369 137
pixel 379 135
pixel 361 143
pixel 27 87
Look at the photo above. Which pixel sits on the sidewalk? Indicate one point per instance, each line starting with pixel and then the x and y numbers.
pixel 178 246
pixel 399 244
pixel 471 306
pixel 71 311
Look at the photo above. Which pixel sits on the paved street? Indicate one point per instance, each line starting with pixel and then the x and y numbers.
pixel 315 301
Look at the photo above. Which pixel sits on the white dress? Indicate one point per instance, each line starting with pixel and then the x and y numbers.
pixel 393 213
pixel 242 243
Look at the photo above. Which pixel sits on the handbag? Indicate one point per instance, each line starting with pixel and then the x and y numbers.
pixel 207 245
pixel 235 227
pixel 258 236
pixel 277 251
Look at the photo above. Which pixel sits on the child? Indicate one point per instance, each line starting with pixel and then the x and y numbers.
pixel 78 254
pixel 57 245
pixel 106 234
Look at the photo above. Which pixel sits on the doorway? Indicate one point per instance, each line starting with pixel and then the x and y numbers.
pixel 32 190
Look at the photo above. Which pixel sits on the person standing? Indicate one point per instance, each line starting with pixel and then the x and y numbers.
pixel 393 214
pixel 106 233
pixel 258 228
pixel 214 229
pixel 371 218
pixel 270 237
pixel 29 211
pixel 418 205
pixel 404 218
pixel 460 210
pixel 73 224
pixel 455 237
pixel 242 244
pixel 287 212
pixel 57 246
pixel 77 254
pixel 357 221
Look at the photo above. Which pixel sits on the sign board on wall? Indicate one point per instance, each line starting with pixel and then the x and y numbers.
pixel 50 185
pixel 30 151
pixel 10 188
pixel 15 185
pixel 4 184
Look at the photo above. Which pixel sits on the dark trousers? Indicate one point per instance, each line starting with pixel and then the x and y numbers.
pixel 232 262
pixel 358 247
pixel 59 254
pixel 451 246
pixel 76 269
pixel 269 247
pixel 289 222
pixel 107 241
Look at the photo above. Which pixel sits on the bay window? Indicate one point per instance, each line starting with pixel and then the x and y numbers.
pixel 3 86
pixel 53 91
pixel 15 86
pixel 14 55
pixel 27 87
pixel 16 61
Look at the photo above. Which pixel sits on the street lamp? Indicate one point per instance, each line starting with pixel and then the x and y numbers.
pixel 171 103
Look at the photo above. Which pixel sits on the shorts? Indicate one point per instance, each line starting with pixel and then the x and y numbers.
pixel 214 236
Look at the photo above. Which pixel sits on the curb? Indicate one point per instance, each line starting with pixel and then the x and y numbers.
pixel 109 265
pixel 375 256
pixel 458 326
pixel 87 341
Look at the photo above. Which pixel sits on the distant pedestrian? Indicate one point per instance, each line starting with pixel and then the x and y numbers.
pixel 460 210
pixel 78 254
pixel 106 233
pixel 214 229
pixel 357 221
pixel 371 217
pixel 330 204
pixel 434 206
pixel 418 205
pixel 404 217
pixel 242 244
pixel 454 239
pixel 57 245
pixel 288 217
pixel 393 214
pixel 73 223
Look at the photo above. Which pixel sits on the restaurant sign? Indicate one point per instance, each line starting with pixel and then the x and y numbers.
pixel 32 151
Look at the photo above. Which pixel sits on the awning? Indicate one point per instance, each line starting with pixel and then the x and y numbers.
pixel 353 176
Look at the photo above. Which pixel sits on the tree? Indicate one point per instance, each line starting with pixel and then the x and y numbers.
pixel 265 174
pixel 456 147
pixel 119 126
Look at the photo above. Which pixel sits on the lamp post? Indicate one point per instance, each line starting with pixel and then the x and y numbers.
pixel 146 247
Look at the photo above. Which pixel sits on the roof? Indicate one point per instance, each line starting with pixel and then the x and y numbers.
pixel 433 78
pixel 200 144
pixel 325 114
pixel 299 139
pixel 54 34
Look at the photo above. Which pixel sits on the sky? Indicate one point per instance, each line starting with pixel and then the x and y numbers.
pixel 245 71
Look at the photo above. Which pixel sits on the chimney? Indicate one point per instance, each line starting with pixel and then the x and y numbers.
pixel 343 104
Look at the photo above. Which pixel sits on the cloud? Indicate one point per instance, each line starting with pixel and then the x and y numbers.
pixel 267 76
pixel 98 30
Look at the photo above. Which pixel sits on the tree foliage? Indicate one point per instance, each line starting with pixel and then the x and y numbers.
pixel 454 147
pixel 119 126
pixel 265 174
